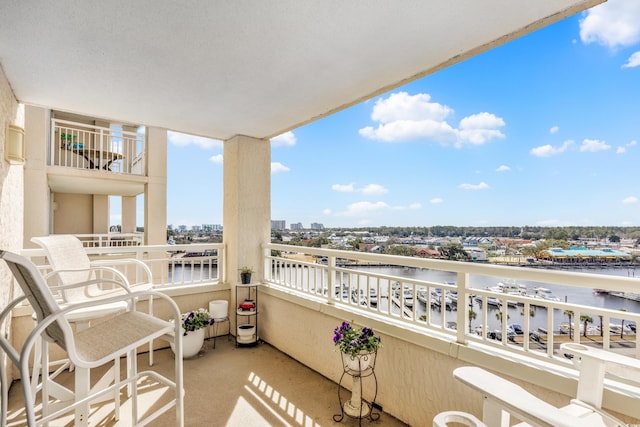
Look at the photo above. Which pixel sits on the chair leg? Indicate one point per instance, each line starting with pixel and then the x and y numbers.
pixel 133 372
pixel 82 391
pixel 151 342
pixel 179 382
pixel 4 389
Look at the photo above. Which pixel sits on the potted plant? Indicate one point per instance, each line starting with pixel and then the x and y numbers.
pixel 193 325
pixel 245 275
pixel 356 345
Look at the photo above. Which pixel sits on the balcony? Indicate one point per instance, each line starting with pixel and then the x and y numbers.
pixel 83 155
pixel 303 300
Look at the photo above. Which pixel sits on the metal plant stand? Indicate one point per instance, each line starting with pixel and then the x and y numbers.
pixel 358 367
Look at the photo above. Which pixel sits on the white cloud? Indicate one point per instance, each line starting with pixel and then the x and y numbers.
pixel 407 130
pixel 623 148
pixel 503 168
pixel 404 117
pixel 369 189
pixel 633 61
pixel 217 159
pixel 374 189
pixel 183 139
pixel 343 188
pixel 593 145
pixel 287 139
pixel 327 211
pixel 402 106
pixel 363 208
pixel 549 150
pixel 480 128
pixel 436 200
pixel 554 129
pixel 612 24
pixel 406 208
pixel 481 186
pixel 630 200
pixel 277 167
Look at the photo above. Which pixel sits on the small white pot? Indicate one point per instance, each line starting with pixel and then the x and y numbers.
pixel 246 333
pixel 219 309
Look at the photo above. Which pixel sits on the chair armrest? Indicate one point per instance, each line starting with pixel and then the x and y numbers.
pixel 503 395
pixel 121 282
pixel 132 298
pixel 111 270
pixel 124 286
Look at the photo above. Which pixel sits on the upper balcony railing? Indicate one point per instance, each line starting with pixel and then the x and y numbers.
pixel 82 146
pixel 463 301
pixel 111 239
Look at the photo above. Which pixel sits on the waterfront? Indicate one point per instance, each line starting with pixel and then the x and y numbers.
pixel 569 294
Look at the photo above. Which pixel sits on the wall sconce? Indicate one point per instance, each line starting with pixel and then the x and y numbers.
pixel 14 145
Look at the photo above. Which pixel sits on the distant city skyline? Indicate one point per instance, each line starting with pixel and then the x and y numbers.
pixel 541 131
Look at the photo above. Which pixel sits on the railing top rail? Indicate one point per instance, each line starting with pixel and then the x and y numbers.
pixel 129 134
pixel 618 283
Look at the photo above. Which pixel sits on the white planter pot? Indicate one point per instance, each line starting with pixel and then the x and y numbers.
pixel 357 363
pixel 219 309
pixel 191 343
pixel 246 333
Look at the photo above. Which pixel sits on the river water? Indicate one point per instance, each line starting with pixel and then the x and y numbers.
pixel 569 294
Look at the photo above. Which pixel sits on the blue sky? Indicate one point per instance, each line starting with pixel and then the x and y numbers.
pixel 541 131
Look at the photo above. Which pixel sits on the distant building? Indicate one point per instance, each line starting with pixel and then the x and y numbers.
pixel 196 228
pixel 316 226
pixel 211 228
pixel 278 224
pixel 585 256
pixel 297 226
pixel 182 228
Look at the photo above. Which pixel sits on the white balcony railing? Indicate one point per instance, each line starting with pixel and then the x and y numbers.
pixel 81 146
pixel 171 265
pixel 111 239
pixel 348 279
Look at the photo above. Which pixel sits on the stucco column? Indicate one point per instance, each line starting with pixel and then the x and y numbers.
pixel 155 191
pixel 128 214
pixel 100 214
pixel 37 206
pixel 247 205
pixel 155 196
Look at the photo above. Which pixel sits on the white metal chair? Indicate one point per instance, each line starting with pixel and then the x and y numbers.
pixel 71 265
pixel 98 344
pixel 503 398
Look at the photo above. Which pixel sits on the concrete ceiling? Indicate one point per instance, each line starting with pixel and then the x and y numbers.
pixel 256 68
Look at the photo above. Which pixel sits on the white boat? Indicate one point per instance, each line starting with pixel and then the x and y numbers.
pixel 617 329
pixel 545 294
pixel 490 301
pixel 406 296
pixel 421 295
pixel 565 328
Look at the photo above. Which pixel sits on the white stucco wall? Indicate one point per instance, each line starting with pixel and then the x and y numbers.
pixel 414 370
pixel 11 188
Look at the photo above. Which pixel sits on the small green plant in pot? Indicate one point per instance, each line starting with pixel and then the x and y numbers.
pixel 245 275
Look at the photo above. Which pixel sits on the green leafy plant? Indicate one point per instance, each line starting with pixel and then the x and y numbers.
pixel 246 270
pixel 196 319
pixel 353 341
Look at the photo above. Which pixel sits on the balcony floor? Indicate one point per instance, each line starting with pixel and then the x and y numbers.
pixel 229 386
